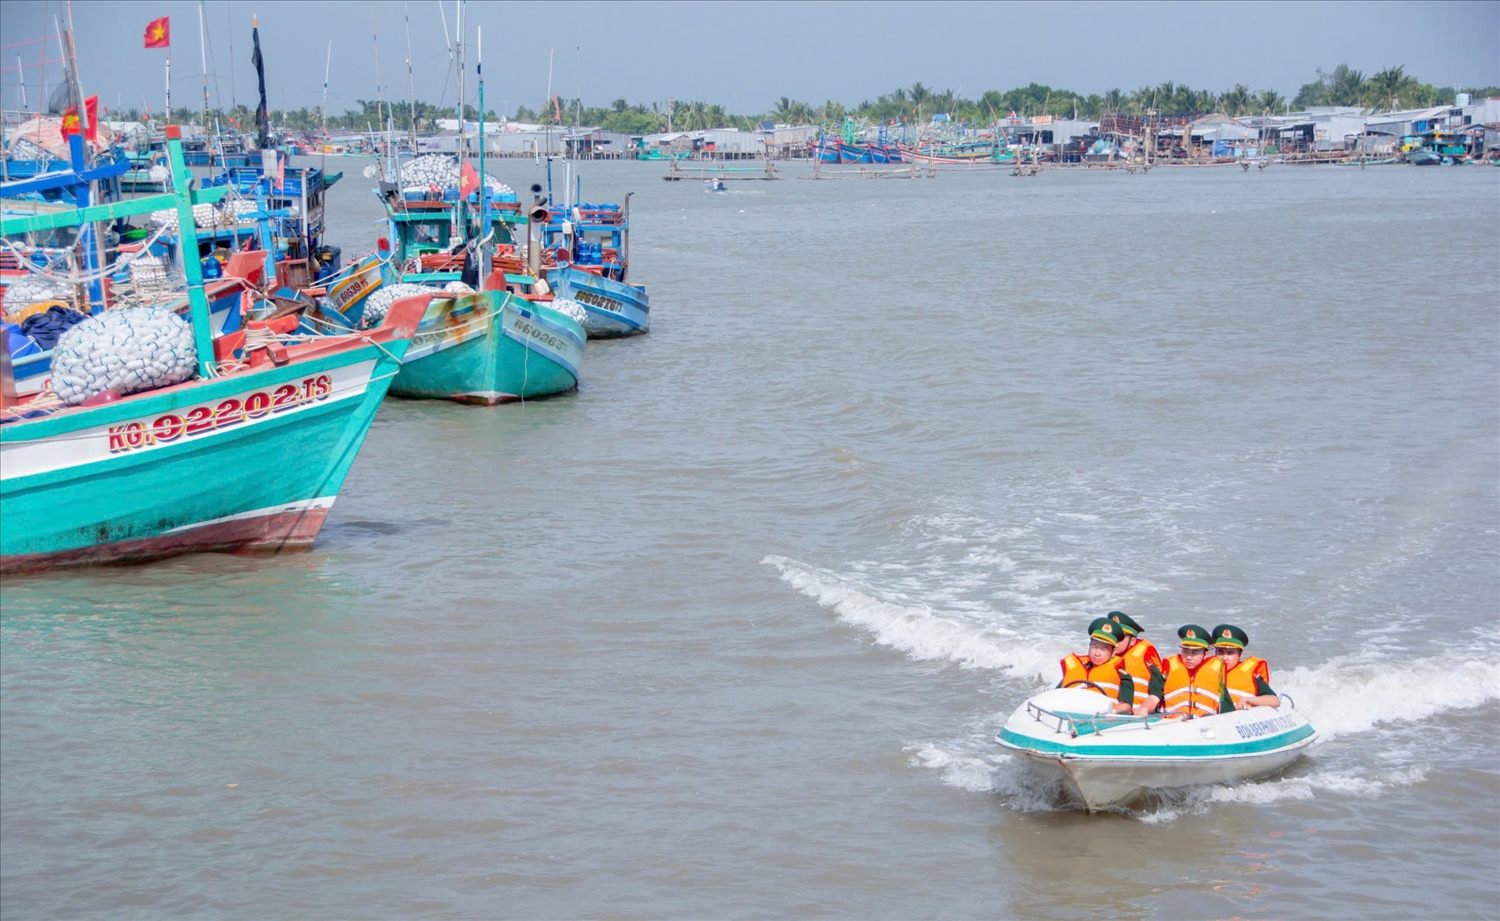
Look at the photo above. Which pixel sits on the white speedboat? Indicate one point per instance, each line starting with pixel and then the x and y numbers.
pixel 1110 759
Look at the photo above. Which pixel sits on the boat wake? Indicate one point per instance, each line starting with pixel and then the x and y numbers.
pixel 1343 697
pixel 969 636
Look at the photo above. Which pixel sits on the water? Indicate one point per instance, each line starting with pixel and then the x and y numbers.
pixel 729 632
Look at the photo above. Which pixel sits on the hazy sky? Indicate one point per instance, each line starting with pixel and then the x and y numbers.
pixel 745 55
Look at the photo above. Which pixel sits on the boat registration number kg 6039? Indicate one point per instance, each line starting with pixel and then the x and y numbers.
pixel 210 417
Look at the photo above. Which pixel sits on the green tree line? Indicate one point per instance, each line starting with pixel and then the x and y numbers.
pixel 1391 88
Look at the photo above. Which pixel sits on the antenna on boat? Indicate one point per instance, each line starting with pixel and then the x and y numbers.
pixel 203 55
pixel 379 100
pixel 327 66
pixel 229 14
pixel 411 84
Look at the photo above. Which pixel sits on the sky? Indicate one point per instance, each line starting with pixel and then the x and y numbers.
pixel 743 56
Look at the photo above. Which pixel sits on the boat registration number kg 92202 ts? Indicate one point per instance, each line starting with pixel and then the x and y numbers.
pixel 210 417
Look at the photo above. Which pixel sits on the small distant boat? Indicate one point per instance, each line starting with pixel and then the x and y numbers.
pixel 1112 760
pixel 1421 157
pixel 715 185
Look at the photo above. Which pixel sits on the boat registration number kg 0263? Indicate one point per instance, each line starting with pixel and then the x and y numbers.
pixel 553 342
pixel 603 303
pixel 212 417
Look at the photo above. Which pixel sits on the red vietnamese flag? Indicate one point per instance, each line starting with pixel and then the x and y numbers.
pixel 468 180
pixel 71 124
pixel 91 127
pixel 159 33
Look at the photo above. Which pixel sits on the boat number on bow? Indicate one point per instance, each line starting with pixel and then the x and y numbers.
pixel 210 417
pixel 1264 727
pixel 603 303
pixel 555 343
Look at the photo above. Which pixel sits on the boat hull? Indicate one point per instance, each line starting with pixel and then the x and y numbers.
pixel 250 462
pixel 490 348
pixel 1108 762
pixel 614 308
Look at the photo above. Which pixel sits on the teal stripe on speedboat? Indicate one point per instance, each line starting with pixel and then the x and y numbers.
pixel 1270 743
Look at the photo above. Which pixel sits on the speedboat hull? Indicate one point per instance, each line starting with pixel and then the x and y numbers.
pixel 1109 761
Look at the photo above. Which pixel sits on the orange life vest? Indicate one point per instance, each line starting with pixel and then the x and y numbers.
pixel 1240 680
pixel 1195 693
pixel 1106 676
pixel 1138 660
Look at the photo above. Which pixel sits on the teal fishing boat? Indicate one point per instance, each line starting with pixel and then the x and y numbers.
pixel 491 347
pixel 247 457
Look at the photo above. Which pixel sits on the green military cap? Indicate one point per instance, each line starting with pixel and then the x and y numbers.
pixel 1230 635
pixel 1105 630
pixel 1126 622
pixel 1193 635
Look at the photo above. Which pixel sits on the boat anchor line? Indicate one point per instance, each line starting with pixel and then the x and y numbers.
pixel 212 418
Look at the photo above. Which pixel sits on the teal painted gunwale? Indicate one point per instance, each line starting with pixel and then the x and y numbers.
pixel 146 494
pixel 1248 747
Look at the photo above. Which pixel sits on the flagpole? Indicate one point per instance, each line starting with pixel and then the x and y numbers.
pixel 169 84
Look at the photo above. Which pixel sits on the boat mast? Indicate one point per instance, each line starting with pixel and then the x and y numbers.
pixel 379 100
pixel 411 84
pixel 203 54
pixel 323 167
pixel 460 9
pixel 91 241
pixel 481 255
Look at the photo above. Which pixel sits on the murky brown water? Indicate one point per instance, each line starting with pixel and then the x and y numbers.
pixel 729 632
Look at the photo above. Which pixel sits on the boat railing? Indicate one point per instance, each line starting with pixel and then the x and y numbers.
pixel 1085 723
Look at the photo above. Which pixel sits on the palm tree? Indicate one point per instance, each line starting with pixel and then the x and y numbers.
pixel 1268 101
pixel 1385 89
pixel 1236 102
pixel 1347 87
pixel 1114 99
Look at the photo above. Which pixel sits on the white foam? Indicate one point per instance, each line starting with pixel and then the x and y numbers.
pixel 1342 697
pixel 1268 792
pixel 957 769
pixel 919 631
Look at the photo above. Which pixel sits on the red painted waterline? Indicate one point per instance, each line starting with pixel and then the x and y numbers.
pixel 277 532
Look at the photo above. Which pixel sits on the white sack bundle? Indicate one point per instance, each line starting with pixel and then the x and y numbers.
pixel 126 350
pixel 457 287
pixel 379 304
pixel 35 289
pixel 570 307
pixel 442 171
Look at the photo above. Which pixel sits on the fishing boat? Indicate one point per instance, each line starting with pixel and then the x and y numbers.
pixel 590 246
pixel 1108 760
pixel 502 343
pixel 247 457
